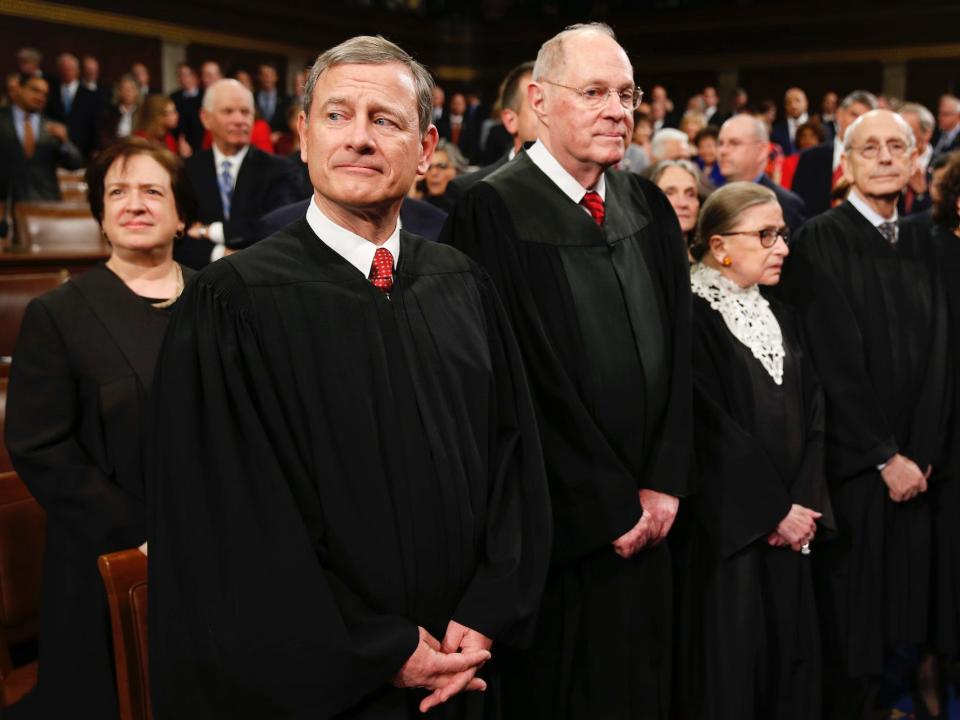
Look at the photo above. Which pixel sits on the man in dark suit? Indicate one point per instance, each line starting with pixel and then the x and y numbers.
pixel 235 184
pixel 71 103
pixel 742 153
pixel 31 146
pixel 818 169
pixel 518 119
pixel 947 138
pixel 273 103
pixel 187 99
pixel 784 132
pixel 464 132
pixel 90 78
pixel 711 110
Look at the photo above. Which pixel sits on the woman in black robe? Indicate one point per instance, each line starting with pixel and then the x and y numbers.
pixel 79 382
pixel 751 647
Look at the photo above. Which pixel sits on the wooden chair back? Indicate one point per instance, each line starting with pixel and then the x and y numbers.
pixel 57 227
pixel 16 292
pixel 125 578
pixel 22 531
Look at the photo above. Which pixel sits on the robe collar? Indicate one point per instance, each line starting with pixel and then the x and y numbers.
pixel 567 183
pixel 351 247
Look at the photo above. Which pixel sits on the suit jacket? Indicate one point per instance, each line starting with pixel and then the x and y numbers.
pixel 814 176
pixel 81 121
pixel 416 216
pixel 34 179
pixel 793 206
pixel 462 183
pixel 82 371
pixel 189 125
pixel 780 134
pixel 264 182
pixel 277 121
pixel 949 147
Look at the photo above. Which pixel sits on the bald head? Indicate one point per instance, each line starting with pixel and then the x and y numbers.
pixel 228 114
pixel 68 67
pixel 878 156
pixel 552 58
pixel 743 148
pixel 222 88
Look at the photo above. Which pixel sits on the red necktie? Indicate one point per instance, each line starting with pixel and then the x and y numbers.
pixel 381 272
pixel 29 141
pixel 837 177
pixel 594 203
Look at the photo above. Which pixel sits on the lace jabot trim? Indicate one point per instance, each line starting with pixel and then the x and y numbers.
pixel 747 315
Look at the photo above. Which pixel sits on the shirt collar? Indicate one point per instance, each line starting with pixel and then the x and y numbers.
pixel 235 160
pixel 567 183
pixel 872 216
pixel 924 158
pixel 71 87
pixel 351 247
pixel 796 122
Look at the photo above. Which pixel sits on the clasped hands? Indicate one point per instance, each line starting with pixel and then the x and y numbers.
pixel 446 668
pixel 659 512
pixel 797 529
pixel 904 478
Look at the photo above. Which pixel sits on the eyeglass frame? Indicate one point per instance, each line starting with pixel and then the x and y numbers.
pixel 638 94
pixel 778 233
pixel 907 147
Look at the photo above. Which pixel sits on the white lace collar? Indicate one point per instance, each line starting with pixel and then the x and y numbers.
pixel 747 315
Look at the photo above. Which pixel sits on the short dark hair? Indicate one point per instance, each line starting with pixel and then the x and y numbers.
pixel 711 131
pixel 26 77
pixel 510 94
pixel 122 150
pixel 945 211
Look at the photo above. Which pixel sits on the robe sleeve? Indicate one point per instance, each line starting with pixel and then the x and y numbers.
pixel 741 496
pixel 245 619
pixel 594 496
pixel 504 594
pixel 860 436
pixel 43 407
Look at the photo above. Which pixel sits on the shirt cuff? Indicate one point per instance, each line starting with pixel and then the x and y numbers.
pixel 218 252
pixel 215 233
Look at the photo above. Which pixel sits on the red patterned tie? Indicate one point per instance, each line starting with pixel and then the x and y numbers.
pixel 381 272
pixel 594 203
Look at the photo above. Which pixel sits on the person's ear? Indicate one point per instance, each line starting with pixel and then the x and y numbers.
pixel 510 121
pixel 304 136
pixel 427 145
pixel 718 249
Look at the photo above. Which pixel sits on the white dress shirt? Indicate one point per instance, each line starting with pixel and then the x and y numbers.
pixel 872 216
pixel 215 230
pixel 69 91
pixel 125 126
pixel 567 183
pixel 351 247
pixel 793 124
pixel 19 116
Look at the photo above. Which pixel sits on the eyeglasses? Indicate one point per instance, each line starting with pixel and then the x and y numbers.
pixel 768 236
pixel 870 151
pixel 594 96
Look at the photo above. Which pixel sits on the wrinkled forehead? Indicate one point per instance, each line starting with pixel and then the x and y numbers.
pixel 388 84
pixel 879 130
pixel 595 58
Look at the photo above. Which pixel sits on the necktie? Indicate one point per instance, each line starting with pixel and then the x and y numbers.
pixel 889 231
pixel 226 188
pixel 67 100
pixel 381 271
pixel 594 203
pixel 29 141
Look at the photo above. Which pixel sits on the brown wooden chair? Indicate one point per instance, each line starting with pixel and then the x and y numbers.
pixel 5 464
pixel 125 577
pixel 44 227
pixel 22 531
pixel 16 292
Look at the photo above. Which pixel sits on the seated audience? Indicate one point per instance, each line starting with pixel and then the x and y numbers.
pixel 692 122
pixel 235 183
pixel 32 146
pixel 288 142
pixel 784 132
pixel 187 99
pixel 81 374
pixel 684 187
pixel 73 104
pixel 157 120
pixel 751 643
pixel 141 74
pixel 809 135
pixel 637 157
pixel 272 102
pixel 916 196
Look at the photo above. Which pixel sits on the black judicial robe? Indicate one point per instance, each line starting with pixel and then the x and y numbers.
pixel 335 468
pixel 81 374
pixel 603 319
pixel 751 636
pixel 875 320
pixel 945 626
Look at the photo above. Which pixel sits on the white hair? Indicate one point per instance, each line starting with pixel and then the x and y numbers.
pixel 658 144
pixel 551 60
pixel 925 116
pixel 758 126
pixel 210 96
pixel 855 125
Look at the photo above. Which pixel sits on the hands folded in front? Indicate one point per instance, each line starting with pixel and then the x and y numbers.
pixel 659 512
pixel 797 529
pixel 446 668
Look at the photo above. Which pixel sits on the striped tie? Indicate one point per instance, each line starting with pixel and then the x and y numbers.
pixel 226 189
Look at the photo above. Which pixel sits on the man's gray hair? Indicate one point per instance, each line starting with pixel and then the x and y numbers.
pixel 550 60
pixel 855 125
pixel 925 117
pixel 370 50
pixel 67 57
pixel 759 127
pixel 210 96
pixel 660 139
pixel 861 97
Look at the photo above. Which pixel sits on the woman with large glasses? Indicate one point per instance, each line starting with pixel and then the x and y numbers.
pixel 750 647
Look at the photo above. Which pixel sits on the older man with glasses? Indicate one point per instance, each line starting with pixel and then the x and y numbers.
pixel 871 301
pixel 591 265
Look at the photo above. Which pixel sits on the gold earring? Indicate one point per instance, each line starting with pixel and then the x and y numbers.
pixel 727 262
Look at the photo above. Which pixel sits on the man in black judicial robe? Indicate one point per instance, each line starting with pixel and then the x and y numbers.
pixel 348 487
pixel 872 304
pixel 600 302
